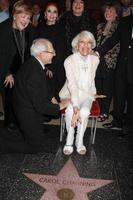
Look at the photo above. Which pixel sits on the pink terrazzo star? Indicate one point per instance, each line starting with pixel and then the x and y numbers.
pixel 68 183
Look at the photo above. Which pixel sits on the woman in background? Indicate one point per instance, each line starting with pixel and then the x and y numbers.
pixel 15 38
pixel 50 29
pixel 75 21
pixel 106 69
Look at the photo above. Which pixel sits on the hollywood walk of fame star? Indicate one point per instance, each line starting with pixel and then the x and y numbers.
pixel 67 185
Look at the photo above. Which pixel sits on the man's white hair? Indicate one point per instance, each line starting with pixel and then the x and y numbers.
pixel 38 46
pixel 84 34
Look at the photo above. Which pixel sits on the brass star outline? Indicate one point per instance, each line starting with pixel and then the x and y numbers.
pixel 67 178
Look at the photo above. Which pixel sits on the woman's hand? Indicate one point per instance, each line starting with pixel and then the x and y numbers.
pixel 54 100
pixel 9 80
pixel 75 110
pixel 75 117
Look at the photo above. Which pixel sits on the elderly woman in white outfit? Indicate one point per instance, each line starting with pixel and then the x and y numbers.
pixel 80 70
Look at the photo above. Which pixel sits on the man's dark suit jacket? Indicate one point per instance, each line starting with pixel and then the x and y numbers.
pixel 31 91
pixel 32 100
pixel 123 35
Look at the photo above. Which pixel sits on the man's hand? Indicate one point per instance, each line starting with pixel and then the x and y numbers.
pixel 54 101
pixel 64 103
pixel 9 80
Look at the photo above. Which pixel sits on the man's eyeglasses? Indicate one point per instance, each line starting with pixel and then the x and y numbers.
pixel 52 52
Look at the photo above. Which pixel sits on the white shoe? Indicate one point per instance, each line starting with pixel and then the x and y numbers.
pixel 68 149
pixel 81 150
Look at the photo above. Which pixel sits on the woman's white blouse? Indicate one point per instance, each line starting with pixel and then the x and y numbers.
pixel 80 78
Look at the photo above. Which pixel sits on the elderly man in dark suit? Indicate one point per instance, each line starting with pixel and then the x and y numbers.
pixel 32 100
pixel 124 73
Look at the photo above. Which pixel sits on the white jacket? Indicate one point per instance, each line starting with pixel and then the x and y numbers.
pixel 74 90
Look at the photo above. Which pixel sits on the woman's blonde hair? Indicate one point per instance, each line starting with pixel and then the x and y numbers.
pixel 22 7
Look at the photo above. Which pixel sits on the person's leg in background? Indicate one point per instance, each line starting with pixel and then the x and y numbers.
pixel 1 106
pixel 9 119
pixel 107 90
pixel 119 101
pixel 104 85
pixel 129 114
pixel 120 94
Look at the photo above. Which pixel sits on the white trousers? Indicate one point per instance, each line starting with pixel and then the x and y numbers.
pixel 85 108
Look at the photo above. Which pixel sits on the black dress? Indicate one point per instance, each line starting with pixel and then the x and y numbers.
pixel 123 89
pixel 56 34
pixel 11 57
pixel 75 24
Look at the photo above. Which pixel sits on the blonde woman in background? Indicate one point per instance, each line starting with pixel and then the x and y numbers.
pixel 15 38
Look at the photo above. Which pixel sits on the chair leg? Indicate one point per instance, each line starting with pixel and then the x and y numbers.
pixel 64 124
pixel 62 127
pixel 92 125
pixel 93 130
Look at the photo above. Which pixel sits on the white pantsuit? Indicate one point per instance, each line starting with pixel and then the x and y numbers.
pixel 84 112
pixel 80 88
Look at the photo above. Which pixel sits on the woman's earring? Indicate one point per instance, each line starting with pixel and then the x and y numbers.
pixel 14 18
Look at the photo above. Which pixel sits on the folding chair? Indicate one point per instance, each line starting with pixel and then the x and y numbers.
pixel 95 112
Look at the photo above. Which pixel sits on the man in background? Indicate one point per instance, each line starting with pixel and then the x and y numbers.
pixel 5 10
pixel 127 7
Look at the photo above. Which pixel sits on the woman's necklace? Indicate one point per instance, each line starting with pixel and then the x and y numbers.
pixel 84 63
pixel 20 42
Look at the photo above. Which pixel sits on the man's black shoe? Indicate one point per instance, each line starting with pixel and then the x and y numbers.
pixel 123 135
pixel 12 127
pixel 125 132
pixel 112 126
pixel 47 119
pixel 1 114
